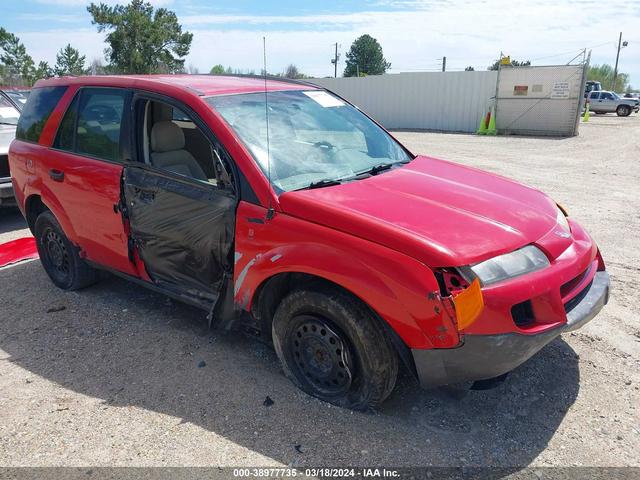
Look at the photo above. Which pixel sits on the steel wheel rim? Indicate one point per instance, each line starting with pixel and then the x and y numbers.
pixel 321 356
pixel 56 253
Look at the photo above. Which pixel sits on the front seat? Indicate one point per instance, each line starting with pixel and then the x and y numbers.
pixel 167 151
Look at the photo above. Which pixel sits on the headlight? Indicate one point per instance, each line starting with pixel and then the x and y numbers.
pixel 561 219
pixel 527 259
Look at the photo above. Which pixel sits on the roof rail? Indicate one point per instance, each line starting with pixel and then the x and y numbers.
pixel 262 77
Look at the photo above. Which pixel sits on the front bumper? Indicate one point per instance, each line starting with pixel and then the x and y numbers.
pixel 487 356
pixel 6 193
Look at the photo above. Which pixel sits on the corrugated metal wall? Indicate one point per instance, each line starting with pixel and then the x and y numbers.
pixel 531 100
pixel 449 101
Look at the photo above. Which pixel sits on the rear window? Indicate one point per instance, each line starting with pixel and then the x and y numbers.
pixel 36 112
pixel 92 125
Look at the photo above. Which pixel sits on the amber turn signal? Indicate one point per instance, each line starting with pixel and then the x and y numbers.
pixel 469 305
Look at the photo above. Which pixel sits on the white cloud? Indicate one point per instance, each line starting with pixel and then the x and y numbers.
pixel 44 45
pixel 468 33
pixel 75 3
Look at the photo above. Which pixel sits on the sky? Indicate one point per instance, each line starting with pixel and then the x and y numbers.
pixel 414 34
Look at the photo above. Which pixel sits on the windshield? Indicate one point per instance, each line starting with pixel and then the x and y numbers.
pixel 8 114
pixel 313 136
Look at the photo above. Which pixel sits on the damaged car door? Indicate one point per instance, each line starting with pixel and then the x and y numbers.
pixel 180 213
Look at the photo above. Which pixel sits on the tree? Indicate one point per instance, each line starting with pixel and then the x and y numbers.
pixel 14 58
pixel 140 39
pixel 97 67
pixel 43 70
pixel 292 72
pixel 604 74
pixel 469 69
pixel 514 63
pixel 365 57
pixel 217 70
pixel 69 62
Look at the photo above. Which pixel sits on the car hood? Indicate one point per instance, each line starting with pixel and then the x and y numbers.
pixel 440 213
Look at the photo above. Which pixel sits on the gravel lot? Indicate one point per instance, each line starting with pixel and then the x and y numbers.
pixel 111 375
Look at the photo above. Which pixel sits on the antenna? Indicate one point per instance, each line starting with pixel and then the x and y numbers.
pixel 270 211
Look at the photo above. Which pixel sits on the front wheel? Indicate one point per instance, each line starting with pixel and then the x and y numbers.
pixel 332 347
pixel 59 257
pixel 623 111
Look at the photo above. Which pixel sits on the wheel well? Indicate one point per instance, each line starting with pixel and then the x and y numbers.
pixel 33 208
pixel 273 290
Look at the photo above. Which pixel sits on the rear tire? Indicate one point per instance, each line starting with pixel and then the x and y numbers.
pixel 331 347
pixel 59 257
pixel 623 111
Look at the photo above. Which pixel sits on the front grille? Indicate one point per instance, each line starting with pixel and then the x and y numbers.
pixel 522 314
pixel 571 304
pixel 4 166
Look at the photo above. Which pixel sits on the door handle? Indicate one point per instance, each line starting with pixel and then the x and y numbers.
pixel 56 175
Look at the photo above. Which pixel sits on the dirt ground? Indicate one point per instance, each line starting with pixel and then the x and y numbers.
pixel 113 375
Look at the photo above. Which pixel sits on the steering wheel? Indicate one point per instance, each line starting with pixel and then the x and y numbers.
pixel 102 114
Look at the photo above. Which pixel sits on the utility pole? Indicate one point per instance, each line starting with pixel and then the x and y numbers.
pixel 621 45
pixel 444 64
pixel 335 62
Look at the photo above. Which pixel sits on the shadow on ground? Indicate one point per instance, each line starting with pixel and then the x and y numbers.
pixel 131 347
pixel 11 219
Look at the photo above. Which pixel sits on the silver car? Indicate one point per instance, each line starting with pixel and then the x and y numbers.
pixel 9 115
pixel 608 102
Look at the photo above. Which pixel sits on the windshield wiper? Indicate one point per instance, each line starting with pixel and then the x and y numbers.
pixel 376 169
pixel 325 182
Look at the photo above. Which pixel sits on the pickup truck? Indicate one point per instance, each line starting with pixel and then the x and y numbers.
pixel 603 101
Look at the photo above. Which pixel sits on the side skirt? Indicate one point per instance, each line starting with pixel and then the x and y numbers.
pixel 206 306
pixel 220 314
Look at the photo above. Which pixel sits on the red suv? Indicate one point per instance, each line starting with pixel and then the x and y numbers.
pixel 279 207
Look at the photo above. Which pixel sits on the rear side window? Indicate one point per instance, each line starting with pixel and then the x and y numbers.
pixel 36 112
pixel 92 124
pixel 594 95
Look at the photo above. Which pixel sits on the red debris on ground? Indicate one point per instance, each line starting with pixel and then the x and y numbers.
pixel 17 251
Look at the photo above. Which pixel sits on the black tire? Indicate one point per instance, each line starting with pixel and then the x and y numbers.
pixel 623 110
pixel 332 347
pixel 59 257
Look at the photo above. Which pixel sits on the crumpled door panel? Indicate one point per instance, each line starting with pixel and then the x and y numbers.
pixel 183 231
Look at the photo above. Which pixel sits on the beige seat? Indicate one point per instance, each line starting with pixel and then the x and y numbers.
pixel 167 151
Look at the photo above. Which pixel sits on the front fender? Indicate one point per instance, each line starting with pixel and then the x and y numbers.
pixel 401 290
